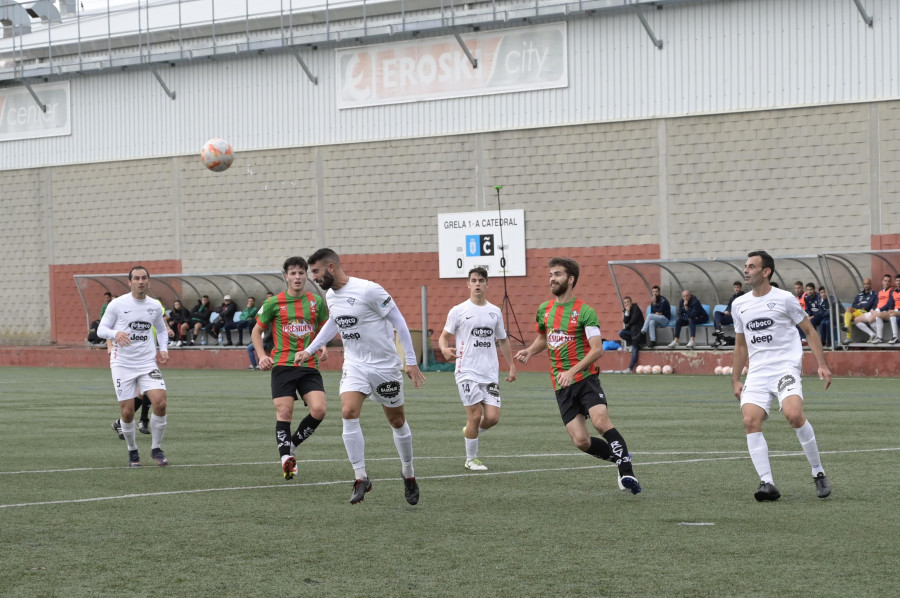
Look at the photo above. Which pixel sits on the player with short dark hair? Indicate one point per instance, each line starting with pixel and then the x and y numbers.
pixel 569 329
pixel 295 317
pixel 366 317
pixel 765 325
pixel 478 327
pixel 129 322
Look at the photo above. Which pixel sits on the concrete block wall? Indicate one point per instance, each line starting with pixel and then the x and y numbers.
pixel 795 182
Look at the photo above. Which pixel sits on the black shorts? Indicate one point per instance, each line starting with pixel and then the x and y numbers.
pixel 291 381
pixel 579 398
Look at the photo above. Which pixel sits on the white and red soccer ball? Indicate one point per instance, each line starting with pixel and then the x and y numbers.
pixel 217 154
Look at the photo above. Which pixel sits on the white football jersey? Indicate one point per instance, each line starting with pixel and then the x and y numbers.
pixel 476 328
pixel 137 318
pixel 359 309
pixel 769 325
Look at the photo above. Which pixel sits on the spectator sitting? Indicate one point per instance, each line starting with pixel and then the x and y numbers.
pixel 179 318
pixel 723 318
pixel 633 318
pixel 798 293
pixel 660 312
pixel 226 313
pixel 200 317
pixel 247 321
pixel 894 313
pixel 813 305
pixel 862 304
pixel 883 305
pixel 690 313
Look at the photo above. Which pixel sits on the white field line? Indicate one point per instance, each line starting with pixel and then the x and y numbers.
pixel 436 477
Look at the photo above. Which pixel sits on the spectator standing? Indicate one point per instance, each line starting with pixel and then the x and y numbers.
pixel 633 319
pixel 660 312
pixel 816 308
pixel 855 314
pixel 724 318
pixel 690 313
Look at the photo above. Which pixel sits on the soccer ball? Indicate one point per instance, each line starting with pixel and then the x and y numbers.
pixel 726 370
pixel 667 369
pixel 719 370
pixel 657 369
pixel 217 154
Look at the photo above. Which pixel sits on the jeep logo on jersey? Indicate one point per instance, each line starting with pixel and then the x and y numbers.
pixel 141 326
pixel 346 321
pixel 760 324
pixel 301 328
pixel 482 332
pixel 389 389
pixel 557 339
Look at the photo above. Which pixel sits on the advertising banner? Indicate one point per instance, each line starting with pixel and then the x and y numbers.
pixel 22 118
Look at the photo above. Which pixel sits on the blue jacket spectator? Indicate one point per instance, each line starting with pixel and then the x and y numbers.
pixel 690 313
pixel 856 313
pixel 660 312
pixel 633 319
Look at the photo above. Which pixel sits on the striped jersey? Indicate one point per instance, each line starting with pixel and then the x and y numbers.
pixel 564 325
pixel 295 322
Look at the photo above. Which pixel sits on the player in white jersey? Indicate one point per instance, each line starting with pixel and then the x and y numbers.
pixel 479 331
pixel 366 317
pixel 128 322
pixel 765 325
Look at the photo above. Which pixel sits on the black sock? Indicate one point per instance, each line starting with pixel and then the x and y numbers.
pixel 599 449
pixel 619 450
pixel 283 437
pixel 145 408
pixel 305 429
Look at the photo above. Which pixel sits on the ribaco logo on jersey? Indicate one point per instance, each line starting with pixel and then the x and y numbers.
pixel 482 332
pixel 346 321
pixel 760 324
pixel 301 328
pixel 558 338
pixel 141 326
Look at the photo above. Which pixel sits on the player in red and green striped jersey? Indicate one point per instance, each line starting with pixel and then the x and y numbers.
pixel 295 318
pixel 568 328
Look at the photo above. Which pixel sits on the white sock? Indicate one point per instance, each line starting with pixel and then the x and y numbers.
pixel 157 430
pixel 482 430
pixel 865 328
pixel 403 442
pixel 129 431
pixel 471 448
pixel 879 327
pixel 759 454
pixel 356 447
pixel 894 330
pixel 807 438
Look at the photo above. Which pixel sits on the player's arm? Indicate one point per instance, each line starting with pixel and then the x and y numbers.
pixel 506 352
pixel 444 344
pixel 412 367
pixel 105 328
pixel 256 336
pixel 326 333
pixel 162 339
pixel 539 344
pixel 564 379
pixel 815 345
pixel 738 362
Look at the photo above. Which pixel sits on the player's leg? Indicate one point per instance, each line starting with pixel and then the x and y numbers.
pixel 158 420
pixel 354 442
pixel 387 389
pixel 792 407
pixel 144 419
pixel 755 401
pixel 315 399
pixel 126 385
pixel 284 412
pixel 620 455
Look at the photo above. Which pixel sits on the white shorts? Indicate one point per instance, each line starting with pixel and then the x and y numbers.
pixel 473 393
pixel 382 386
pixel 129 383
pixel 759 389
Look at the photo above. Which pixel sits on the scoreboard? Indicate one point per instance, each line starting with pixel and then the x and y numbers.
pixel 494 240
